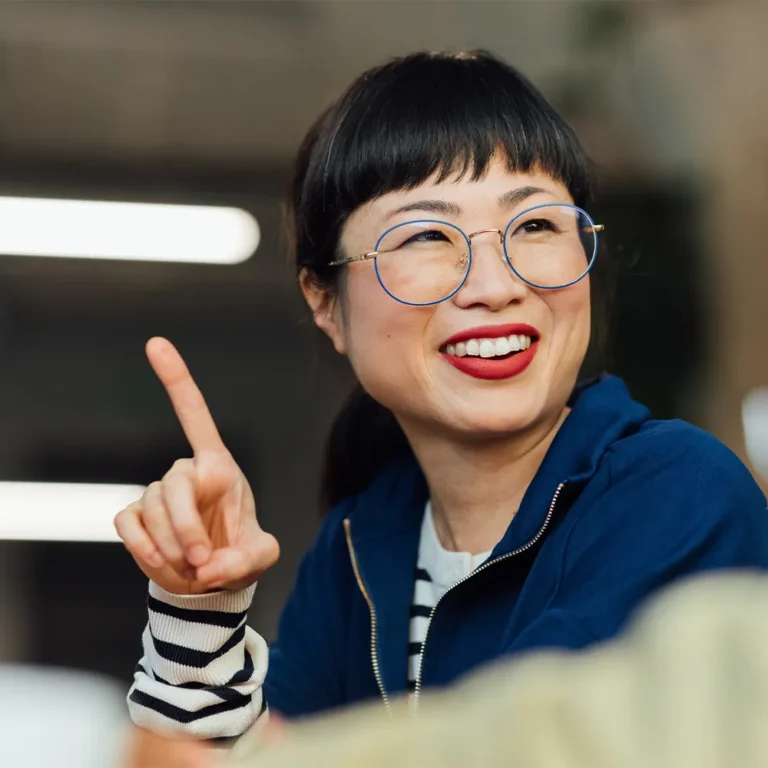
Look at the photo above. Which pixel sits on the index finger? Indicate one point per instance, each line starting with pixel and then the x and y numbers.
pixel 186 398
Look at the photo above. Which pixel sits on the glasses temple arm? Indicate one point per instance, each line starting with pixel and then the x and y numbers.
pixel 350 259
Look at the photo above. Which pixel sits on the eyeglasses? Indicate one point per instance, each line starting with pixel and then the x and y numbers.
pixel 424 262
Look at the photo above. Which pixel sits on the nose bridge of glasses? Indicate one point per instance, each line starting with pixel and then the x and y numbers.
pixel 498 232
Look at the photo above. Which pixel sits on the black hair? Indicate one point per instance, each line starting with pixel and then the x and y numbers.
pixel 397 125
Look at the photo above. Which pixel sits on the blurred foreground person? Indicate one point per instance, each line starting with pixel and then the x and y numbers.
pixel 487 495
pixel 54 718
pixel 686 687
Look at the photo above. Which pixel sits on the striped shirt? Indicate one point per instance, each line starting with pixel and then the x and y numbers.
pixel 203 666
pixel 437 571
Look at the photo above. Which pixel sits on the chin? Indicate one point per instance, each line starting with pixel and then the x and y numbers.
pixel 485 422
pixel 498 414
pixel 493 426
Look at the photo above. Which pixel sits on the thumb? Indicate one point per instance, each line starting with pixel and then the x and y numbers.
pixel 239 566
pixel 150 750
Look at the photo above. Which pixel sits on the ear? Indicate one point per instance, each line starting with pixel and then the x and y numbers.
pixel 326 311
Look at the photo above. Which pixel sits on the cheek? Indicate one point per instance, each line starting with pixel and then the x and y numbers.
pixel 385 339
pixel 571 317
pixel 371 316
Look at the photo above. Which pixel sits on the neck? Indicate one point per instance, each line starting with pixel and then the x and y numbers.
pixel 476 487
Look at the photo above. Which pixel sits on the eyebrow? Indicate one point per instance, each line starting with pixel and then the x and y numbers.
pixel 507 200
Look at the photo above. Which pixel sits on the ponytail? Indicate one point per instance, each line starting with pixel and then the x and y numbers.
pixel 364 438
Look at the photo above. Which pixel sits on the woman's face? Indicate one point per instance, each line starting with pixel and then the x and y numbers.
pixel 400 353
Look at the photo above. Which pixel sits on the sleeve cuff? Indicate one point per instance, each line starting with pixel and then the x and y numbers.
pixel 228 601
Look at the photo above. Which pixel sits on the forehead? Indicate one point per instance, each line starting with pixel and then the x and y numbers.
pixel 472 197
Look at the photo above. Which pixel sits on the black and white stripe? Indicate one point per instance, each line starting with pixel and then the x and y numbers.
pixel 424 598
pixel 202 668
pixel 436 571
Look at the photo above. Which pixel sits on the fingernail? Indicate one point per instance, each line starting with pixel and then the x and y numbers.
pixel 156 560
pixel 198 554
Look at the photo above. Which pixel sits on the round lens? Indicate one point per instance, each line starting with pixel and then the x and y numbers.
pixel 551 246
pixel 422 262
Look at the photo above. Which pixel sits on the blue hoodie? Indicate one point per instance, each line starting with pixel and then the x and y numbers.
pixel 621 506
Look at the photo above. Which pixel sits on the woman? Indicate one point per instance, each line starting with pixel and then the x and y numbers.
pixel 483 503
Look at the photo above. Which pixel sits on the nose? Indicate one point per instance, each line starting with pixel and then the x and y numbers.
pixel 490 283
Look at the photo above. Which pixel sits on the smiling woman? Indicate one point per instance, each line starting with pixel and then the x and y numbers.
pixel 486 496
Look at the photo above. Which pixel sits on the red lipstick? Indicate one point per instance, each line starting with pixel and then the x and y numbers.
pixel 494 367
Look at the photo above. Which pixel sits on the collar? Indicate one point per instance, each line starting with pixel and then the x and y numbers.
pixel 385 520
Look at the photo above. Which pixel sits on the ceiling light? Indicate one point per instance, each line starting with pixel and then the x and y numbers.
pixel 92 229
pixel 62 511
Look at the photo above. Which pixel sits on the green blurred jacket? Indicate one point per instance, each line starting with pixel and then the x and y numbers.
pixel 686 687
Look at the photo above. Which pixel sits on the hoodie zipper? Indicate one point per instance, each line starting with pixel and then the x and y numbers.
pixel 488 564
pixel 372 611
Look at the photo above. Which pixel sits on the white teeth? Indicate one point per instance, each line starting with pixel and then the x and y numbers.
pixel 488 348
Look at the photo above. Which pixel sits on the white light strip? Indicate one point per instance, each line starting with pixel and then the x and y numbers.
pixel 62 511
pixel 93 229
pixel 754 413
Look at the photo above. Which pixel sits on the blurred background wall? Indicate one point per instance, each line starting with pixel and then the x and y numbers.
pixel 205 102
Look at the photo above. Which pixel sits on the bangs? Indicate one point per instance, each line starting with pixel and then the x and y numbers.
pixel 441 116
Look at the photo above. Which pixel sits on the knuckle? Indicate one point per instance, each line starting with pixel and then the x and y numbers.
pixel 124 517
pixel 180 467
pixel 131 540
pixel 144 548
pixel 273 553
pixel 153 509
pixel 270 549
pixel 133 545
pixel 188 529
pixel 119 523
pixel 265 553
pixel 217 464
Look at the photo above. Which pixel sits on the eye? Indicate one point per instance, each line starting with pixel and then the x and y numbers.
pixel 427 236
pixel 534 226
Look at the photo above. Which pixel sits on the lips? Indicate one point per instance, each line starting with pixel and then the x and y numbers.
pixel 498 368
pixel 504 366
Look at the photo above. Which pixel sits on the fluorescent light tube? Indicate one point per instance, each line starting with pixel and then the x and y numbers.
pixel 93 229
pixel 62 511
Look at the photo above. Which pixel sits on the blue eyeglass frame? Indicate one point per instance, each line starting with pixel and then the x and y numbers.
pixel 371 255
